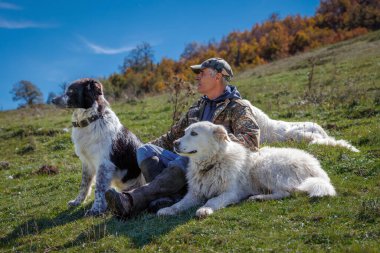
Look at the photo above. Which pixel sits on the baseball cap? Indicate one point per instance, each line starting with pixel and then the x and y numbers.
pixel 218 64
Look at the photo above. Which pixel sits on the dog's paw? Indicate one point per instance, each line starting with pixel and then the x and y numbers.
pixel 204 212
pixel 166 211
pixel 259 197
pixel 73 203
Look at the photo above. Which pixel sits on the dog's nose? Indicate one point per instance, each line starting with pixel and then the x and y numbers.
pixel 176 144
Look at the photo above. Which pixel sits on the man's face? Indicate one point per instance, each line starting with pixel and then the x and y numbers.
pixel 206 82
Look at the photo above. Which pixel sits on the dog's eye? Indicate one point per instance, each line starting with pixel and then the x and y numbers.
pixel 193 133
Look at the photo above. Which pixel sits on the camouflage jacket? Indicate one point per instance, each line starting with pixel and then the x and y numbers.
pixel 234 114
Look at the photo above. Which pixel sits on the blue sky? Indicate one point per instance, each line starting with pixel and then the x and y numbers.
pixel 49 42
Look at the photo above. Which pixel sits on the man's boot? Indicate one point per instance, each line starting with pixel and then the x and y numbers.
pixel 125 204
pixel 151 167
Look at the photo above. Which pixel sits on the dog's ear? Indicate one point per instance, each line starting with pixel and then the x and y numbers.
pixel 95 86
pixel 220 134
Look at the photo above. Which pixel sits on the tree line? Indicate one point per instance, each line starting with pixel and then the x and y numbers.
pixel 334 21
pixel 275 38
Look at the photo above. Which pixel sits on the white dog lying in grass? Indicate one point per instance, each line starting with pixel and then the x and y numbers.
pixel 280 131
pixel 222 172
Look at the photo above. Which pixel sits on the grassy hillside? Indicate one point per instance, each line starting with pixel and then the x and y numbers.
pixel 341 92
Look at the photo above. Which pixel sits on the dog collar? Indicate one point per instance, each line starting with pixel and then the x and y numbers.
pixel 86 122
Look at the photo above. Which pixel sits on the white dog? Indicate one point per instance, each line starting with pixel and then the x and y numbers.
pixel 223 172
pixel 280 131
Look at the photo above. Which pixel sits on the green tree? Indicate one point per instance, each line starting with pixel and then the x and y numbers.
pixel 190 51
pixel 139 59
pixel 27 91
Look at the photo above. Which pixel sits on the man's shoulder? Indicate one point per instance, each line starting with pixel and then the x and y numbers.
pixel 241 106
pixel 240 103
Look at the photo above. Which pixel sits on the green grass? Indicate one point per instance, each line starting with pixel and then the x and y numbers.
pixel 34 215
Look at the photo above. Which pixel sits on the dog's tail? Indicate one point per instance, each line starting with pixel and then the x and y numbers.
pixel 332 142
pixel 317 187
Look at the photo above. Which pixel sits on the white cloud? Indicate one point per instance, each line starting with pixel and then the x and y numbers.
pixel 9 6
pixel 8 24
pixel 97 49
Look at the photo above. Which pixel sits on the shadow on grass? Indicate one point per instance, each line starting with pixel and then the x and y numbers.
pixel 35 226
pixel 141 230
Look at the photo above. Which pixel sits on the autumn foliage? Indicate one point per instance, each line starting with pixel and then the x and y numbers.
pixel 335 20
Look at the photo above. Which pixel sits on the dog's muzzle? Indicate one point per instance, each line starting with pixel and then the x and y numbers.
pixel 177 148
pixel 178 151
pixel 60 101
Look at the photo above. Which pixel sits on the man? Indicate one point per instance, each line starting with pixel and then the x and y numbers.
pixel 164 170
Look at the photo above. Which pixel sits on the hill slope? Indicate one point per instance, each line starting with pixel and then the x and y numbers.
pixel 341 92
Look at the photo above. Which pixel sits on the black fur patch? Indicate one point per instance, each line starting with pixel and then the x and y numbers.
pixel 83 93
pixel 124 154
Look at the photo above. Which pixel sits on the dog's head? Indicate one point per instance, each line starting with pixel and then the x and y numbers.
pixel 83 93
pixel 202 139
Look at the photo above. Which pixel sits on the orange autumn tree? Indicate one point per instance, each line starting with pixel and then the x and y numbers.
pixel 275 38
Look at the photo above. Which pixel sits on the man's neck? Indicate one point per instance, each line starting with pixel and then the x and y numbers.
pixel 216 93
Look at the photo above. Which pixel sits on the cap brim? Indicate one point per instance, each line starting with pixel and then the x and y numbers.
pixel 196 68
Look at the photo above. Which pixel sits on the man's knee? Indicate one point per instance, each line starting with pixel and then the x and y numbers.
pixel 144 152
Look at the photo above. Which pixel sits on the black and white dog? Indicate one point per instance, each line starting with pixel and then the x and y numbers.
pixel 105 147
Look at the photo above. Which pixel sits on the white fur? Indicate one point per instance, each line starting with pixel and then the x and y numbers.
pixel 93 145
pixel 280 131
pixel 222 172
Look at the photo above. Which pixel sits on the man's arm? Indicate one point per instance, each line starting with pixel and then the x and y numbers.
pixel 166 141
pixel 244 127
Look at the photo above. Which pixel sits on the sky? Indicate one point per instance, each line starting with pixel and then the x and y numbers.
pixel 51 42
